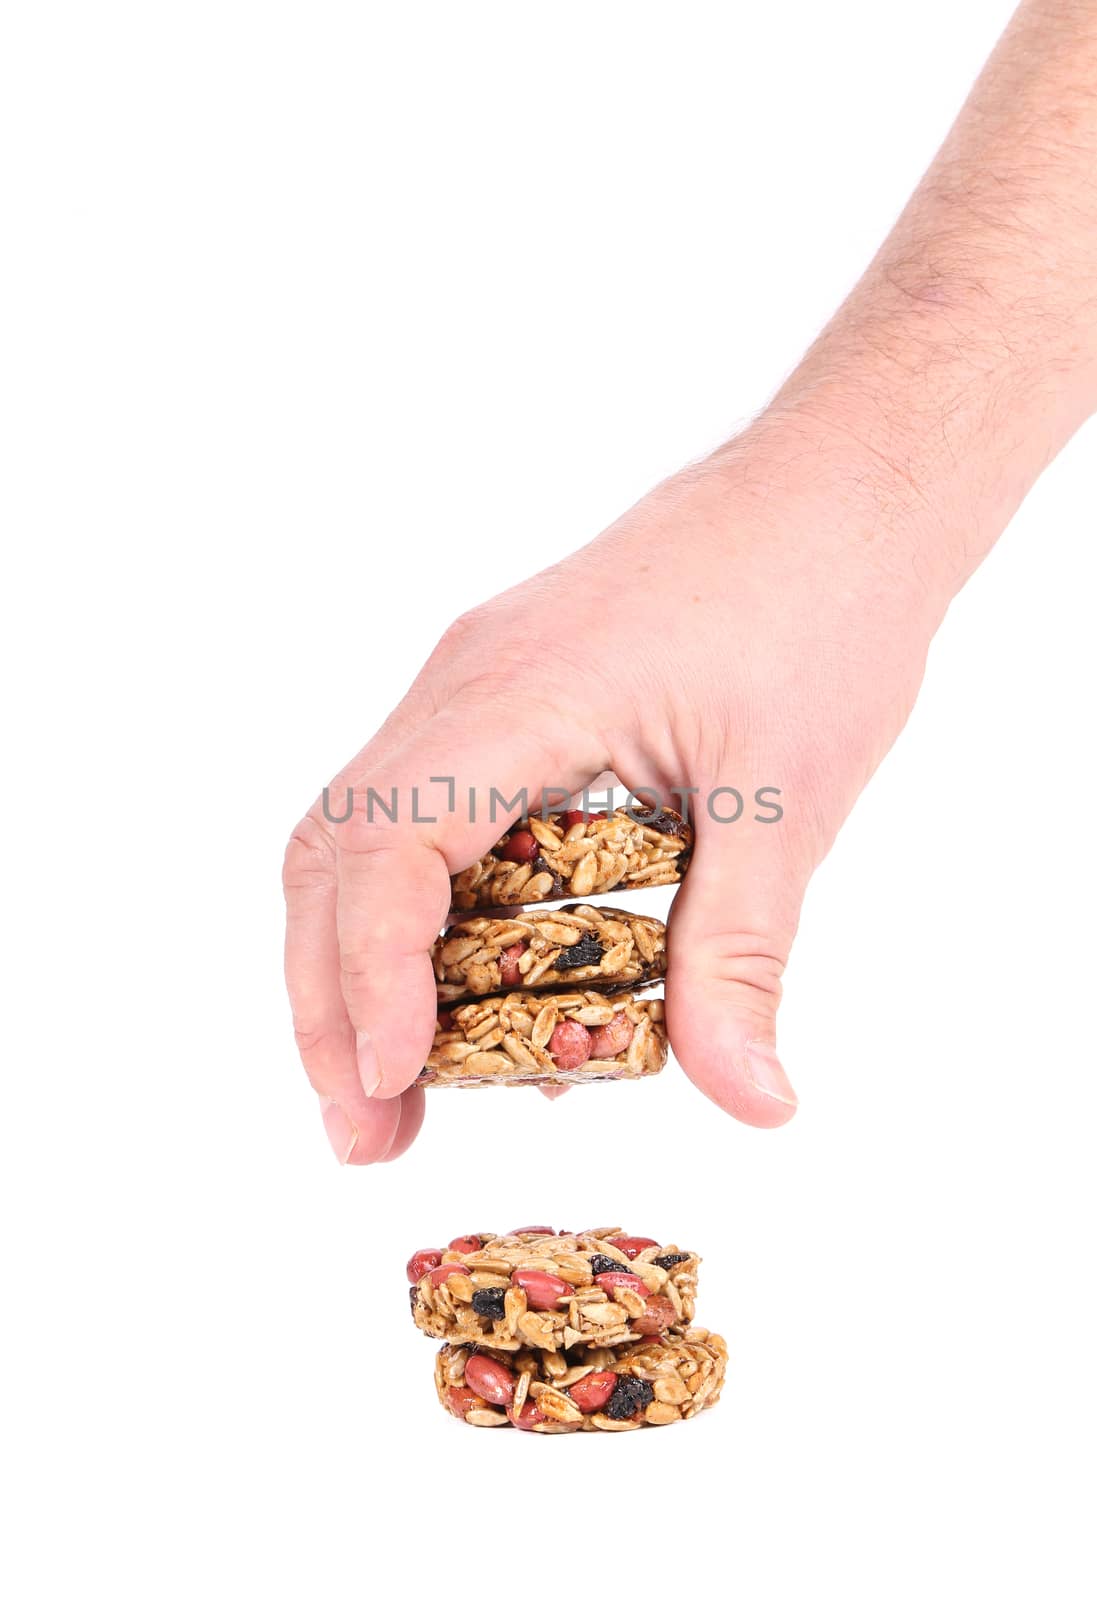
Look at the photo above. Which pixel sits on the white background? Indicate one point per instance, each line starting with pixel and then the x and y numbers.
pixel 320 324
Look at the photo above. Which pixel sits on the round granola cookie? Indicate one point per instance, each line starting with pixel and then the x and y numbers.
pixel 575 854
pixel 593 1391
pixel 578 945
pixel 546 1291
pixel 571 1036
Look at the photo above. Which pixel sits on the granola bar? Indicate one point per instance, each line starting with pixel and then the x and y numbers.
pixel 578 944
pixel 576 854
pixel 665 1380
pixel 573 1036
pixel 536 1289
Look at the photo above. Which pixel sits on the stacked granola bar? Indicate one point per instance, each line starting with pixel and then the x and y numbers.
pixel 561 1333
pixel 576 854
pixel 554 996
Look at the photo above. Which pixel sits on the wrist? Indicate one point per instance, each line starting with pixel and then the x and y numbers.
pixel 817 475
pixel 949 422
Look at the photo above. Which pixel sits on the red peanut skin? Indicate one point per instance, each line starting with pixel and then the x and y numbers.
pixel 490 1380
pixel 658 1315
pixel 622 1280
pixel 612 1037
pixel 520 847
pixel 543 1290
pixel 592 1392
pixel 631 1244
pixel 569 1046
pixel 438 1275
pixel 525 1419
pixel 466 1244
pixel 508 962
pixel 570 818
pixel 461 1400
pixel 422 1262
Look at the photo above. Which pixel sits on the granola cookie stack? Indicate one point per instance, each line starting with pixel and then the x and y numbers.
pixel 556 996
pixel 566 1333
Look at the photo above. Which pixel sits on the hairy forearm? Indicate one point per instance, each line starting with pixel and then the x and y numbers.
pixel 967 355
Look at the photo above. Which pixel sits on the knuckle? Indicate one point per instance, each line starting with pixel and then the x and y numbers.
pixel 751 965
pixel 320 1049
pixel 309 856
pixel 311 1041
pixel 369 830
pixel 463 631
pixel 752 1002
pixel 502 651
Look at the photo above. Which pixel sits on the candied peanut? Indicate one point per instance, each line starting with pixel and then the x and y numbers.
pixel 592 1392
pixel 569 1046
pixel 610 1040
pixel 631 1244
pixel 543 1290
pixel 509 958
pixel 622 1280
pixel 438 1275
pixel 658 1314
pixel 466 1244
pixel 460 1400
pixel 490 1380
pixel 421 1263
pixel 520 847
pixel 529 1416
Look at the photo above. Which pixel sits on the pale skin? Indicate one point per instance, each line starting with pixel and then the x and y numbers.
pixel 814 557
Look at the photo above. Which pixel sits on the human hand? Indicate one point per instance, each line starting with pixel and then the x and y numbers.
pixel 760 620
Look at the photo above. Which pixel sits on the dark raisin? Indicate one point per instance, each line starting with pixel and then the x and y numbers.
pixel 666 1262
pixel 539 864
pixel 665 822
pixel 587 953
pixel 629 1396
pixel 489 1303
pixel 606 1264
pixel 413 1293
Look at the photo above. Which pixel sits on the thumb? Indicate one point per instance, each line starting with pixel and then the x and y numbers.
pixel 393 874
pixel 731 929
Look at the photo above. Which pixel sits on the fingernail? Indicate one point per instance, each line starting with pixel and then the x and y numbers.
pixel 369 1069
pixel 767 1074
pixel 341 1132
